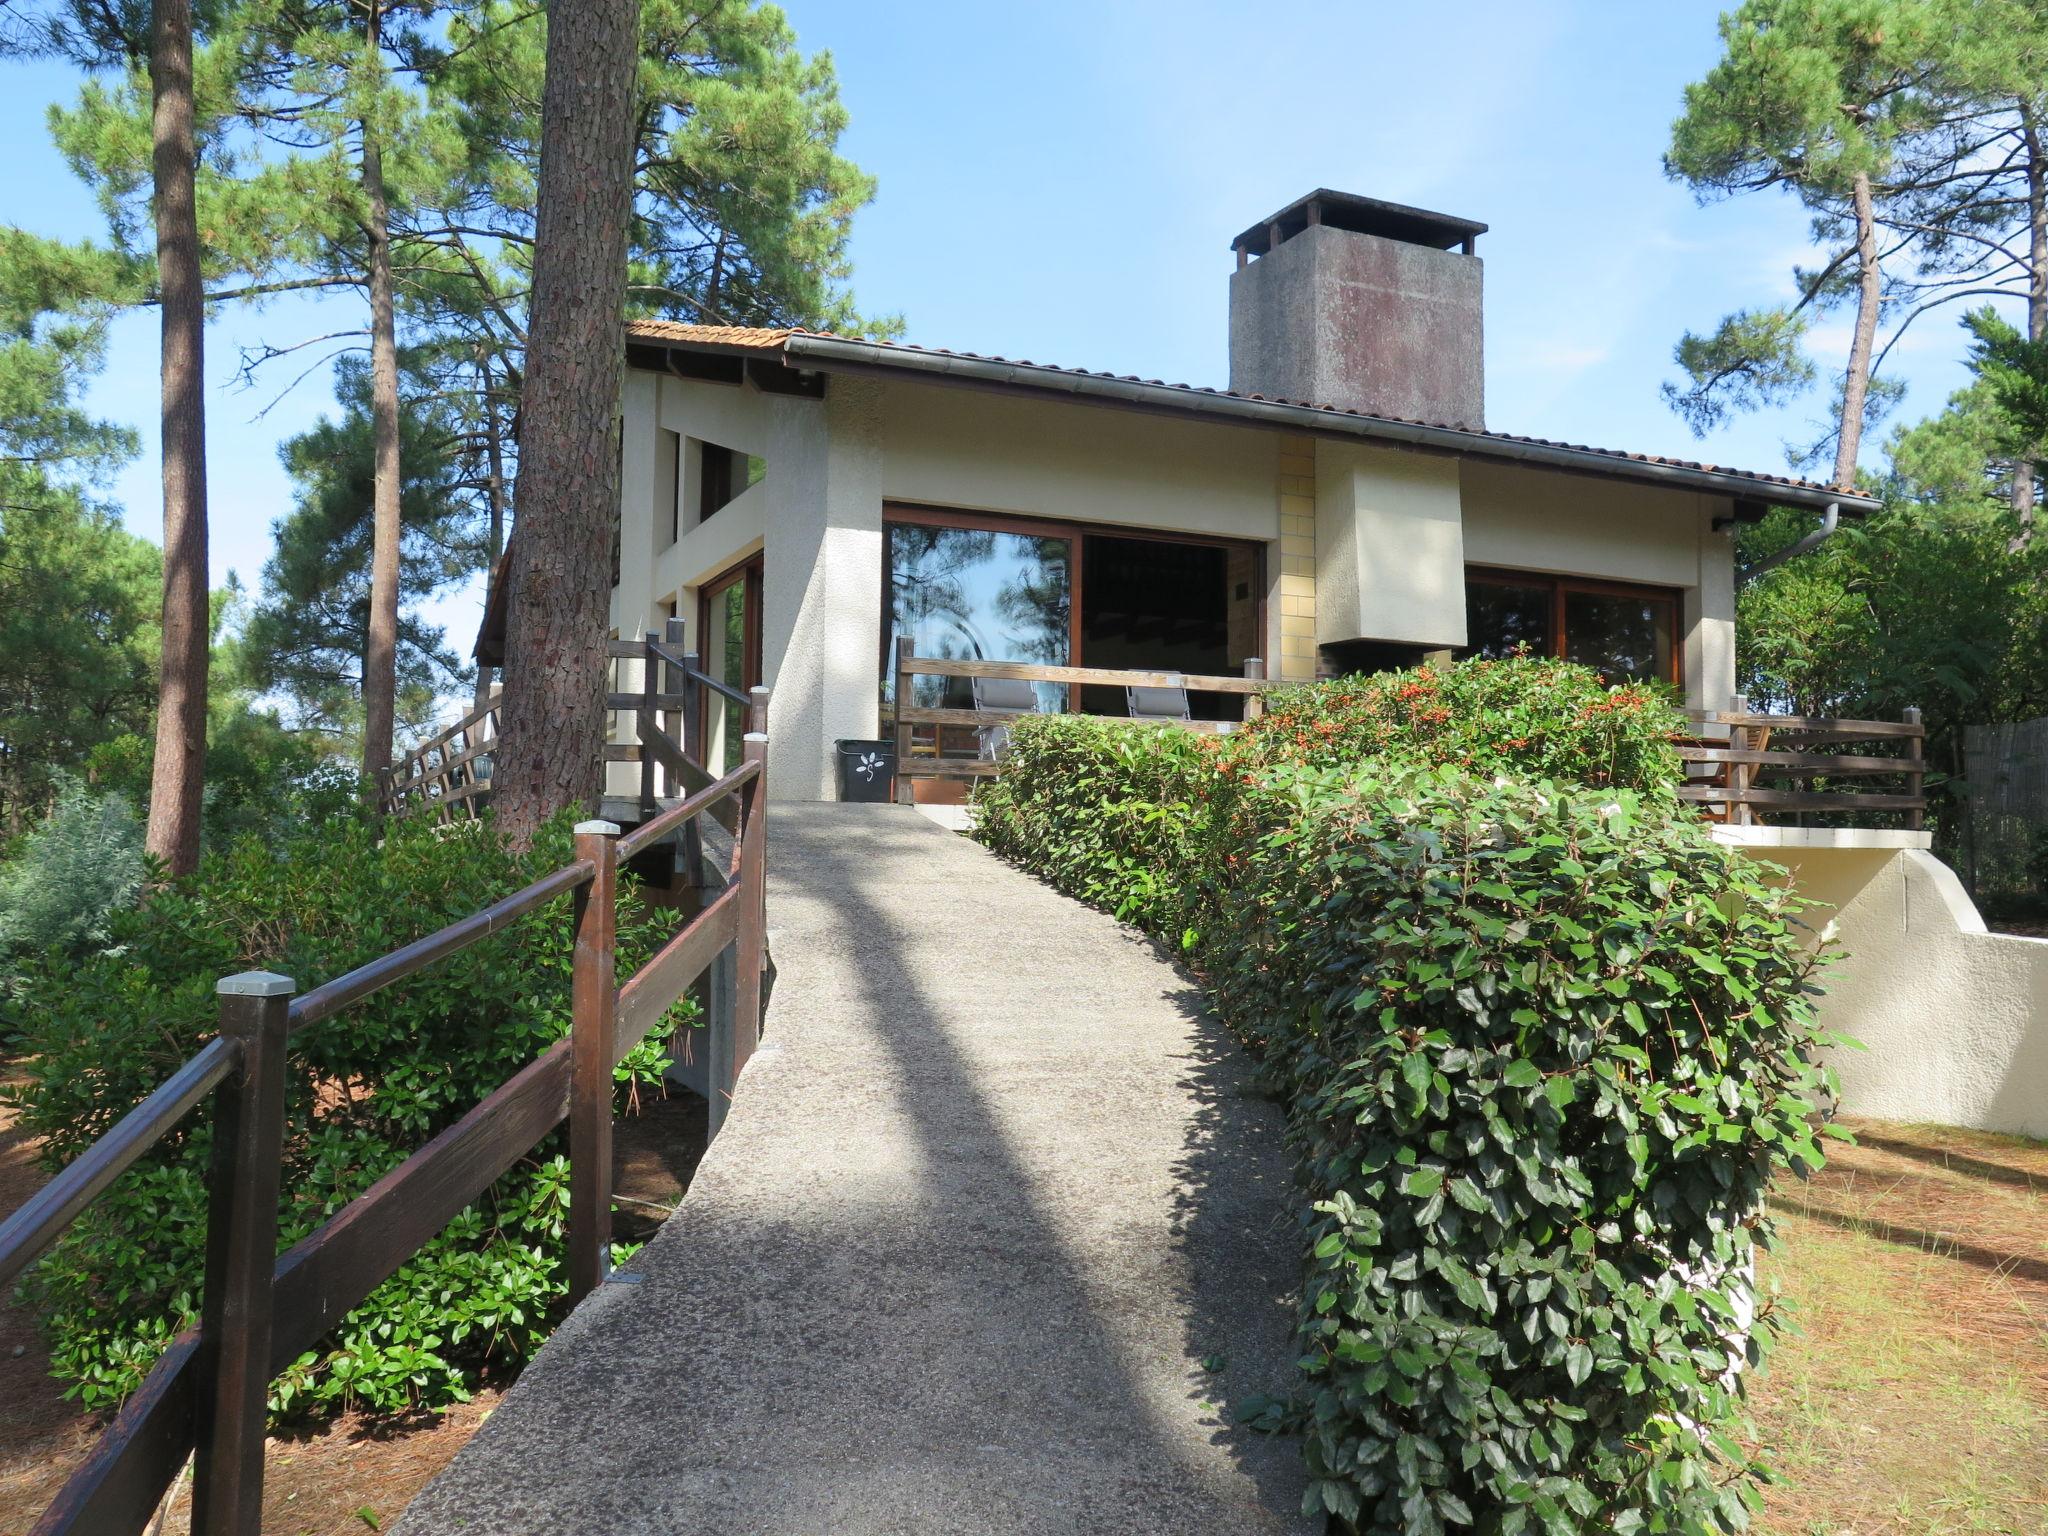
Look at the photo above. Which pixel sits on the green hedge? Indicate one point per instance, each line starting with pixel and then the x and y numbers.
pixel 1542 1048
pixel 367 1088
pixel 1531 715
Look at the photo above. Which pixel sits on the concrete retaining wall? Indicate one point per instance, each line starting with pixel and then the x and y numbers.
pixel 1953 1019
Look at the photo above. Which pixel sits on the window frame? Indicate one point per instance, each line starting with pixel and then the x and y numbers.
pixel 1073 531
pixel 1563 585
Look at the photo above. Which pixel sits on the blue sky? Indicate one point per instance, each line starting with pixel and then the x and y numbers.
pixel 1060 182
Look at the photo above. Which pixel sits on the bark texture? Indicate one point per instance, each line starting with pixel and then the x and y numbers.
pixel 380 644
pixel 494 489
pixel 551 722
pixel 178 771
pixel 1869 293
pixel 2037 304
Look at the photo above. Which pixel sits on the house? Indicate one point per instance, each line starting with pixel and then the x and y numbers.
pixel 797 499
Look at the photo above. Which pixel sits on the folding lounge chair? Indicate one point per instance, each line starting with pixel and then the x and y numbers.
pixel 1001 696
pixel 1169 703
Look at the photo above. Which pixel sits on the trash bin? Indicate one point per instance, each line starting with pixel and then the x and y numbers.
pixel 867 771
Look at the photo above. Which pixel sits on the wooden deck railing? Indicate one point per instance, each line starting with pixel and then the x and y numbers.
pixel 1725 776
pixel 205 1397
pixel 1253 685
pixel 448 775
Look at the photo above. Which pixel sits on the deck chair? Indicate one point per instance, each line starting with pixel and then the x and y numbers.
pixel 1001 696
pixel 1168 703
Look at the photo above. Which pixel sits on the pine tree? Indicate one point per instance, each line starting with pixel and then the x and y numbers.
pixel 1811 96
pixel 79 594
pixel 308 639
pixel 553 710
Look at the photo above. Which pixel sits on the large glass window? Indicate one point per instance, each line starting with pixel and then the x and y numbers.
pixel 978 594
pixel 968 587
pixel 1625 633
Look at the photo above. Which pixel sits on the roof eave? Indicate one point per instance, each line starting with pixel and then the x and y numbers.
pixel 841 354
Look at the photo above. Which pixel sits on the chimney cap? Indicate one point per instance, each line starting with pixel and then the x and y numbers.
pixel 1363 215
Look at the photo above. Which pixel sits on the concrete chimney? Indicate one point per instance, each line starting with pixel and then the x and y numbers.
pixel 1368 306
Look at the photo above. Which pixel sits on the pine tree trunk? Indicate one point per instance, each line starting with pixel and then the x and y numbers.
pixel 178 772
pixel 551 724
pixel 494 497
pixel 380 646
pixel 1869 290
pixel 2037 306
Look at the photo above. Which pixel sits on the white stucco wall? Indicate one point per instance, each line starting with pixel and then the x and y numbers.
pixel 1390 547
pixel 1952 1020
pixel 999 453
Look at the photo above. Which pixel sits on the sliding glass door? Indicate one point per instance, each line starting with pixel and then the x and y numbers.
pixel 979 594
pixel 971 587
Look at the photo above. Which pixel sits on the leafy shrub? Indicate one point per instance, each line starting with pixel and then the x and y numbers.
pixel 1543 1051
pixel 1142 821
pixel 69 875
pixel 366 1089
pixel 1106 812
pixel 261 779
pixel 1533 715
pixel 1542 1048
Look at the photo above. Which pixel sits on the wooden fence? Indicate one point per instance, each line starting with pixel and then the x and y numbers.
pixel 1736 778
pixel 448 776
pixel 1724 776
pixel 205 1397
pixel 1253 685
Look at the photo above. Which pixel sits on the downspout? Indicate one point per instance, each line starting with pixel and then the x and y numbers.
pixel 1829 521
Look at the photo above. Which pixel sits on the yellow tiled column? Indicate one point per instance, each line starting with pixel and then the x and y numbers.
pixel 1297 477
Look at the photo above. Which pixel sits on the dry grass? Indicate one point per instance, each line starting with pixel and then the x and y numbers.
pixel 1914 1395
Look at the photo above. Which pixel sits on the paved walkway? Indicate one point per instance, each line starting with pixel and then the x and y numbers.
pixel 990 1243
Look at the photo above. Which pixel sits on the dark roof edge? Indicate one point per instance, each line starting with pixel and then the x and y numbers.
pixel 824 351
pixel 1448 223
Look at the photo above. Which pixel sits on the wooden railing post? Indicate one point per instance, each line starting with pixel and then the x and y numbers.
pixel 751 949
pixel 1254 703
pixel 593 999
pixel 1739 774
pixel 674 680
pixel 650 717
pixel 1916 776
pixel 691 737
pixel 241 1251
pixel 904 792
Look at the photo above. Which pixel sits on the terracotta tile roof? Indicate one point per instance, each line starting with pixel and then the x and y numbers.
pixel 752 338
pixel 765 339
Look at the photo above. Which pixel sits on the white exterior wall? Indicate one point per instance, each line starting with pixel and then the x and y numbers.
pixel 1390 547
pixel 1952 1020
pixel 982 452
pixel 1393 530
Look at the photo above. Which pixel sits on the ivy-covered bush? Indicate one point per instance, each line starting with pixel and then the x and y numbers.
pixel 1138 820
pixel 366 1089
pixel 1542 1047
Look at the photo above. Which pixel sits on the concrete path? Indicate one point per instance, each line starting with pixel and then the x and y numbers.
pixel 991 1242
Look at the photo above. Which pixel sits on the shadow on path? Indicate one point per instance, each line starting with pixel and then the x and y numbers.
pixel 990 1197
